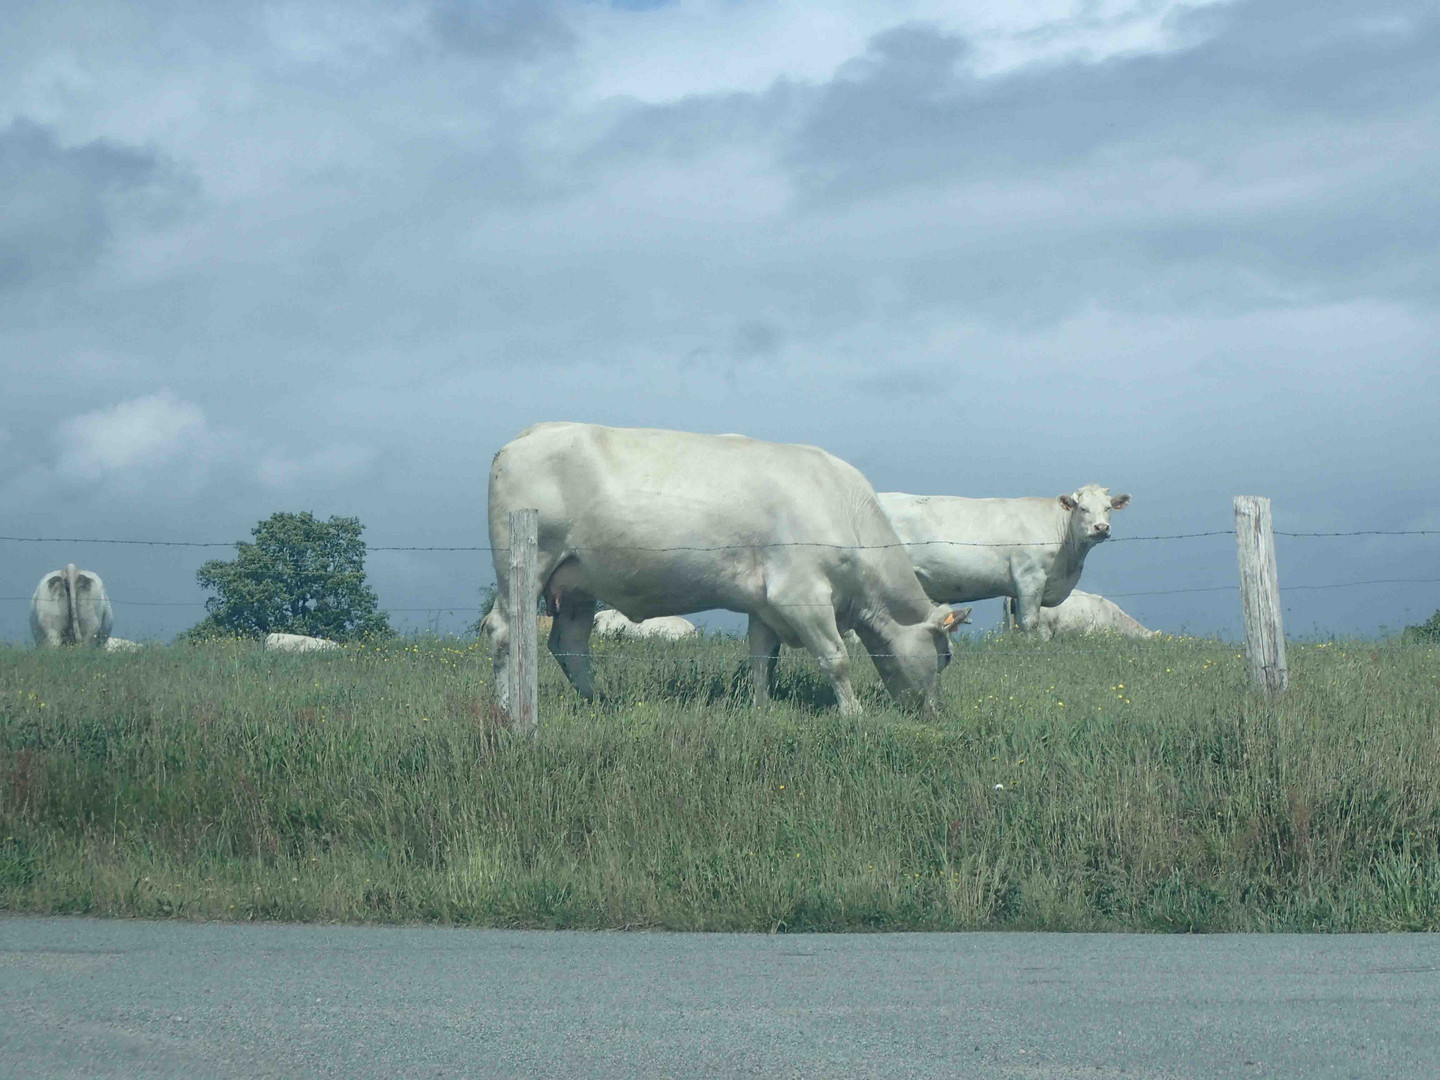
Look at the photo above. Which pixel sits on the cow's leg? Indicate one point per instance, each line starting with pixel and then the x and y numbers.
pixel 1027 607
pixel 764 653
pixel 1027 610
pixel 570 639
pixel 817 631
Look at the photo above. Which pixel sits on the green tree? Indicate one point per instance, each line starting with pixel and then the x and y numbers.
pixel 1426 631
pixel 300 576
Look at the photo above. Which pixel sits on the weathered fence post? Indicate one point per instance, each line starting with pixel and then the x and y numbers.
pixel 1260 593
pixel 524 632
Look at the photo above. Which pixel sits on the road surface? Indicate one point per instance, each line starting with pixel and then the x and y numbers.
pixel 91 998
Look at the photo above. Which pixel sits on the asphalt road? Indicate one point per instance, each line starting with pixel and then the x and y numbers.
pixel 81 997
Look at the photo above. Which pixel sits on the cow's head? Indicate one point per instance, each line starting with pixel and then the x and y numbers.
pixel 1089 509
pixel 911 661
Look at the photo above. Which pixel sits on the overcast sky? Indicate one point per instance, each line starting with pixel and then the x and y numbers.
pixel 331 256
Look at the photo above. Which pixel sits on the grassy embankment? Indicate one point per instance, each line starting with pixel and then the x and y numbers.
pixel 1143 788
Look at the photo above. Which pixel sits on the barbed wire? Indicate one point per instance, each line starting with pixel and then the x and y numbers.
pixel 1141 592
pixel 726 547
pixel 442 609
pixel 967 648
pixel 1365 532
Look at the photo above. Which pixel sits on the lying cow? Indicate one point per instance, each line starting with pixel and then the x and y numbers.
pixel 1030 549
pixel 70 608
pixel 1085 613
pixel 119 644
pixel 664 523
pixel 297 643
pixel 610 623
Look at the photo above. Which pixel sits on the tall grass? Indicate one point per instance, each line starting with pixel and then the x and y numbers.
pixel 1104 784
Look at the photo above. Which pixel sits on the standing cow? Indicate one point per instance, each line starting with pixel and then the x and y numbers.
pixel 1031 549
pixel 665 523
pixel 1085 613
pixel 70 608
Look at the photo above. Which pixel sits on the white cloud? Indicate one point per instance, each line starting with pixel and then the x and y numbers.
pixel 718 46
pixel 133 437
pixel 163 438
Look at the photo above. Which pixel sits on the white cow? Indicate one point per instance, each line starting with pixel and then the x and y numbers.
pixel 119 644
pixel 297 643
pixel 665 523
pixel 1085 613
pixel 610 623
pixel 70 608
pixel 1031 549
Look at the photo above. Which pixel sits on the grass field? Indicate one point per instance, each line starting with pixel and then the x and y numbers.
pixel 1100 784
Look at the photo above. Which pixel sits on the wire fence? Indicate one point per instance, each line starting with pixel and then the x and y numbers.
pixel 744 546
pixel 1112 595
pixel 451 608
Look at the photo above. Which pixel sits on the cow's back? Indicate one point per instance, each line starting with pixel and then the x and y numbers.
pixel 611 485
pixel 1026 521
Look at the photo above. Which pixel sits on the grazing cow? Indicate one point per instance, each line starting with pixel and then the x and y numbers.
pixel 1085 613
pixel 70 608
pixel 609 623
pixel 1030 549
pixel 665 523
pixel 119 644
pixel 297 643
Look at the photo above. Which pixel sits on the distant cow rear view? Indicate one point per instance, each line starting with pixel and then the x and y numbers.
pixel 70 608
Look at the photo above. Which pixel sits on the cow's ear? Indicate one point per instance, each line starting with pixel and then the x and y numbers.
pixel 1068 502
pixel 962 615
pixel 1119 502
pixel 952 620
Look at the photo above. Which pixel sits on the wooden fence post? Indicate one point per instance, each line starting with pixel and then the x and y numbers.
pixel 524 632
pixel 1260 593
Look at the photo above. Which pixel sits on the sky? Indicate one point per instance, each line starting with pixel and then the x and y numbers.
pixel 331 256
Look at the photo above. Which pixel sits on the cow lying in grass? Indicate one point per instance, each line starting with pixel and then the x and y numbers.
pixel 1085 613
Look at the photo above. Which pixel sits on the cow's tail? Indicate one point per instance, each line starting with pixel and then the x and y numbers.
pixel 72 624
